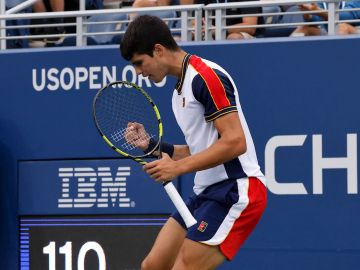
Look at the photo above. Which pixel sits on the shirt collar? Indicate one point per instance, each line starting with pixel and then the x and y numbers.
pixel 184 66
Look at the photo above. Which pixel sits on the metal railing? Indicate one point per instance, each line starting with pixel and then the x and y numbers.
pixel 188 13
pixel 217 13
pixel 189 21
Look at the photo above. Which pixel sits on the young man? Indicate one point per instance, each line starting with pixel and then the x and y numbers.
pixel 230 194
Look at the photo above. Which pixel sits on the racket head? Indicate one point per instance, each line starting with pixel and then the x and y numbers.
pixel 119 104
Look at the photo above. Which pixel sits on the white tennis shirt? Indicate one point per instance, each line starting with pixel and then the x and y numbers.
pixel 205 92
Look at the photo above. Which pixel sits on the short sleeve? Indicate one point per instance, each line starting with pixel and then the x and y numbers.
pixel 214 90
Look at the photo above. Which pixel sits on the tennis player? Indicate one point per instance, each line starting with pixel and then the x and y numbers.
pixel 230 193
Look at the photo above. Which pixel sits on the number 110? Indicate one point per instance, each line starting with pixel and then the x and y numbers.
pixel 66 249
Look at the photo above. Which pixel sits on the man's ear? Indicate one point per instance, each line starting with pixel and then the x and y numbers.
pixel 159 50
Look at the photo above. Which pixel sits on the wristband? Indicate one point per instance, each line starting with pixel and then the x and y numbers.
pixel 167 148
pixel 151 146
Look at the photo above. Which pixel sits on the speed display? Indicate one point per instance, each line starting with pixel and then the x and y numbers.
pixel 91 243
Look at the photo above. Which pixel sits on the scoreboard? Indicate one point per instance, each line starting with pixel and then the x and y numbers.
pixel 87 214
pixel 86 242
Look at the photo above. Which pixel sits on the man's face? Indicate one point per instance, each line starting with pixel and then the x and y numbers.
pixel 149 66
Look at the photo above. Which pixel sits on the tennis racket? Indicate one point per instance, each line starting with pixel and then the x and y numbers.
pixel 128 119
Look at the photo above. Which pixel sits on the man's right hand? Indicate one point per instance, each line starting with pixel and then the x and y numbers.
pixel 136 135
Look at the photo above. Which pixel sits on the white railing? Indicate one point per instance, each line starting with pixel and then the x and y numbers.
pixel 220 16
pixel 20 7
pixel 190 19
pixel 186 17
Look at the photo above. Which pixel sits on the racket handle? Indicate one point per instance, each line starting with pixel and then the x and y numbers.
pixel 179 204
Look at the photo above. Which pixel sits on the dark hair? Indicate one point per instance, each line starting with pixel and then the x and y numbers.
pixel 143 33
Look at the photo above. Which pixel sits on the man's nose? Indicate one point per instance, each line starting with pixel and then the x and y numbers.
pixel 138 70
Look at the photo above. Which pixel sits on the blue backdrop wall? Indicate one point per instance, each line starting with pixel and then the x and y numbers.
pixel 300 98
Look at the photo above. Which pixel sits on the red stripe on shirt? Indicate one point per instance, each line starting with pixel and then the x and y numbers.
pixel 213 82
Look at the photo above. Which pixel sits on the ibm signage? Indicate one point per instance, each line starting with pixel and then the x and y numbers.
pixel 85 180
pixel 108 186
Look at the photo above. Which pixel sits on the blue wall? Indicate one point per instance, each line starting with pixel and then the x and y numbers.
pixel 300 98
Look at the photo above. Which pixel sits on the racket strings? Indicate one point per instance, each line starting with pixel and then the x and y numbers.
pixel 118 106
pixel 130 143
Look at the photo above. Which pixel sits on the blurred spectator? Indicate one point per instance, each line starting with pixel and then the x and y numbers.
pixel 53 6
pixel 322 15
pixel 17 43
pixel 281 18
pixel 89 4
pixel 109 27
pixel 75 5
pixel 156 3
pixel 49 6
pixel 168 16
pixel 239 33
pixel 114 3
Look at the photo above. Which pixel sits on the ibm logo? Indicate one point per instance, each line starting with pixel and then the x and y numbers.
pixel 81 186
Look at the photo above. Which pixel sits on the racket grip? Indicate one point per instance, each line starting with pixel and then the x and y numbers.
pixel 179 204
